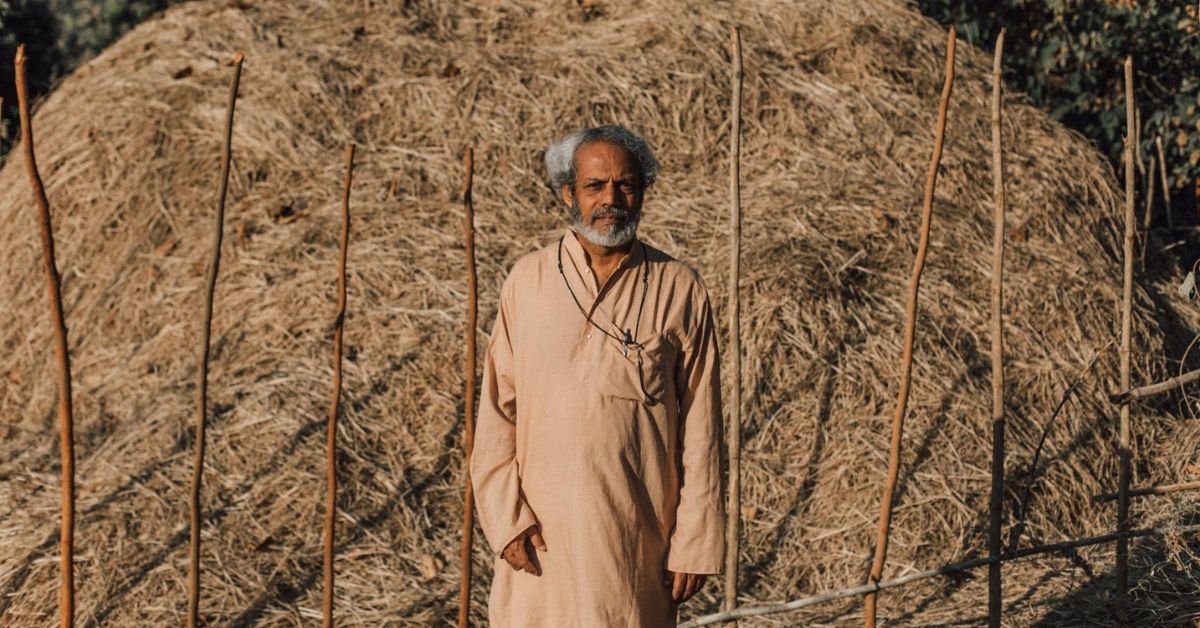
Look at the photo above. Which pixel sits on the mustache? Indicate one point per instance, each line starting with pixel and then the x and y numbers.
pixel 613 212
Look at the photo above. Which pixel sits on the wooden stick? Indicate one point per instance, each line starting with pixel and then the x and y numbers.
pixel 331 421
pixel 202 377
pixel 1122 581
pixel 468 525
pixel 773 609
pixel 1162 171
pixel 66 413
pixel 885 505
pixel 1146 215
pixel 733 527
pixel 996 501
pixel 1133 394
pixel 1150 490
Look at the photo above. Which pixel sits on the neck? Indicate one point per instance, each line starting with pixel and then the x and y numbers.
pixel 602 255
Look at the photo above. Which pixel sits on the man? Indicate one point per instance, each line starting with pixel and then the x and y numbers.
pixel 596 462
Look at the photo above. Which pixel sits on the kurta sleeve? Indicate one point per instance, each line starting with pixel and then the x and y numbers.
pixel 698 540
pixel 503 512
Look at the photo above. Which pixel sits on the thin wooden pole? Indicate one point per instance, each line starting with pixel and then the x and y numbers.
pixel 996 502
pixel 1150 490
pixel 66 414
pixel 953 568
pixel 1122 583
pixel 1146 215
pixel 885 505
pixel 1162 172
pixel 331 421
pixel 202 376
pixel 734 514
pixel 1141 392
pixel 468 525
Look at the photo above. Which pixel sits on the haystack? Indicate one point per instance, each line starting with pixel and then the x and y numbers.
pixel 839 111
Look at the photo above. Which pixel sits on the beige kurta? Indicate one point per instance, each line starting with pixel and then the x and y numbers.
pixel 567 437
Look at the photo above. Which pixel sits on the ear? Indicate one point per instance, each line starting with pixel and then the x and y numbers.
pixel 567 195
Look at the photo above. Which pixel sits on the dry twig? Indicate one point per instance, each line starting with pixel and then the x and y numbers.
pixel 996 501
pixel 1122 582
pixel 468 522
pixel 202 376
pixel 66 414
pixel 331 421
pixel 733 530
pixel 1150 490
pixel 1130 395
pixel 1166 190
pixel 885 507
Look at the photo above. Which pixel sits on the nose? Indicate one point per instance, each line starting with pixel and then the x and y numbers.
pixel 612 197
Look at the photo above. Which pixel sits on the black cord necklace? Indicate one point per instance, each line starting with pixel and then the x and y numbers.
pixel 629 341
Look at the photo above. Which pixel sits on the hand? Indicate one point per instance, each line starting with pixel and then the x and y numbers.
pixel 519 552
pixel 683 585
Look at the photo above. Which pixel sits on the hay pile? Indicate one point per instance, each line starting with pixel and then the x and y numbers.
pixel 839 109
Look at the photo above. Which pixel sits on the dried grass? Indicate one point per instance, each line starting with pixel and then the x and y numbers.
pixel 838 113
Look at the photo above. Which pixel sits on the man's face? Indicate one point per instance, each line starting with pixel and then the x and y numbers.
pixel 606 201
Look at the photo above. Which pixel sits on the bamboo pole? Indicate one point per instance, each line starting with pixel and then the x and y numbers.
pixel 885 506
pixel 996 501
pixel 1162 172
pixel 1122 582
pixel 953 568
pixel 66 414
pixel 1133 394
pixel 733 527
pixel 202 377
pixel 468 525
pixel 331 421
pixel 1150 490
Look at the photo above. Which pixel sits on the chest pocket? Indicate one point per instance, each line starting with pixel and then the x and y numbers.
pixel 641 376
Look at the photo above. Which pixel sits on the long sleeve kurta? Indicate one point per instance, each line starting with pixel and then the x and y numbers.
pixel 618 464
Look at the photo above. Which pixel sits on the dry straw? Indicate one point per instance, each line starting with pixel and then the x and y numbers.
pixel 66 413
pixel 836 121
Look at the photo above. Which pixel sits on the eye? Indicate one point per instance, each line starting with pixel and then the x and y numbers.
pixel 626 186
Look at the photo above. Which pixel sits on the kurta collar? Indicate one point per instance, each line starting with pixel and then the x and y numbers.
pixel 634 257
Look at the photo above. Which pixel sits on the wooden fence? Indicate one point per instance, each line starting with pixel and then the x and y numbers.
pixel 732 610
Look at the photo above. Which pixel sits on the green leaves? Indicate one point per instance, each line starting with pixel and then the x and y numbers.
pixel 1067 56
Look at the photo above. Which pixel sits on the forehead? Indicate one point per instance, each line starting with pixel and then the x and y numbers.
pixel 602 158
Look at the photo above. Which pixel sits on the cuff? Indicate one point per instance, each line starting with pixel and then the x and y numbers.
pixel 526 521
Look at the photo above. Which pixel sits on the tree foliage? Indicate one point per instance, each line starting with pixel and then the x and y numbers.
pixel 58 36
pixel 1068 56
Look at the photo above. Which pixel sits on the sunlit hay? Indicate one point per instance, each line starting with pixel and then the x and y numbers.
pixel 838 116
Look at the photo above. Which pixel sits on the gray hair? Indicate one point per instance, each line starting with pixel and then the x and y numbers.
pixel 560 156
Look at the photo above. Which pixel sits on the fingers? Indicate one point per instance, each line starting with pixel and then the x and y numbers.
pixel 525 564
pixel 521 557
pixel 678 587
pixel 695 581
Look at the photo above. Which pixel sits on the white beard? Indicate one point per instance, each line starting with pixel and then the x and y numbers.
pixel 616 236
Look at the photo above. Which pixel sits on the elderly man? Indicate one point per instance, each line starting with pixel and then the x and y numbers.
pixel 596 463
